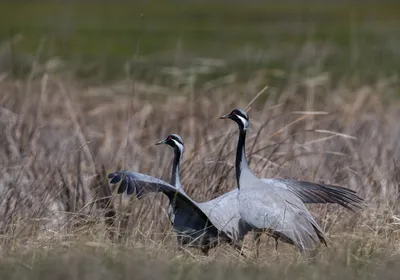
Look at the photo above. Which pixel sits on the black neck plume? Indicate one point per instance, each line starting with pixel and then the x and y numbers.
pixel 175 180
pixel 241 160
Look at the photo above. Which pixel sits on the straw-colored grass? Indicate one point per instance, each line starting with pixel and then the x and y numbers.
pixel 59 139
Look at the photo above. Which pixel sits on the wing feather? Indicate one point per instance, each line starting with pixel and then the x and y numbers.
pixel 122 186
pixel 141 184
pixel 320 193
pixel 265 206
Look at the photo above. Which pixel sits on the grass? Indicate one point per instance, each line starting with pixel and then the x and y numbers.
pixel 60 139
pixel 60 135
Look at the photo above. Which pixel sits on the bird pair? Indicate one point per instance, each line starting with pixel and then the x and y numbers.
pixel 274 206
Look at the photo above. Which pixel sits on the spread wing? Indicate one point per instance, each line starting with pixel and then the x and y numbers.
pixel 265 207
pixel 319 193
pixel 140 184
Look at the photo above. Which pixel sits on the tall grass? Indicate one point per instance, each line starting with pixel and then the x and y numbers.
pixel 60 138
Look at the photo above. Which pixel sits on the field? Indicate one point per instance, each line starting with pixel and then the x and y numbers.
pixel 86 90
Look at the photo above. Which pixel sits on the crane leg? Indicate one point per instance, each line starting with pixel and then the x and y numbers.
pixel 276 244
pixel 239 248
pixel 205 250
pixel 243 254
pixel 256 237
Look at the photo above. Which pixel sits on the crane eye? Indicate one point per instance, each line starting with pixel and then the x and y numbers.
pixel 169 138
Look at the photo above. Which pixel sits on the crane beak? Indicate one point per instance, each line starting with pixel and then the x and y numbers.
pixel 225 117
pixel 160 142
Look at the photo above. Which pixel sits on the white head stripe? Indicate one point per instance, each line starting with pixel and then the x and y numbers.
pixel 179 145
pixel 244 122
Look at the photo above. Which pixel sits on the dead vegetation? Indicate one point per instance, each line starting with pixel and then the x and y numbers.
pixel 60 138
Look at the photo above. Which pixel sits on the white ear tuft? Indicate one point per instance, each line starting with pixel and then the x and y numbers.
pixel 180 146
pixel 244 122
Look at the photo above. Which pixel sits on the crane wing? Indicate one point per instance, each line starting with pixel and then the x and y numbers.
pixel 319 193
pixel 281 213
pixel 141 184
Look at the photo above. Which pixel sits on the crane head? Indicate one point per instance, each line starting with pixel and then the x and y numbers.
pixel 175 141
pixel 240 117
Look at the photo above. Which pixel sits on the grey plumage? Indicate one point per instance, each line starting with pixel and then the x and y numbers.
pixel 320 193
pixel 223 211
pixel 191 223
pixel 277 205
pixel 213 223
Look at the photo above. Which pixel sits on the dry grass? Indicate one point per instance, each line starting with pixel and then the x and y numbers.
pixel 60 138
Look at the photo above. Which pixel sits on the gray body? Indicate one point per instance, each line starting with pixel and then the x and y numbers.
pixel 265 206
pixel 222 211
pixel 276 206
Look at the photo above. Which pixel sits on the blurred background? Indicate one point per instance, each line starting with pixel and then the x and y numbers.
pixel 144 39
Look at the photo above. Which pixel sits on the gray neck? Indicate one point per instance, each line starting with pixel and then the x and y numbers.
pixel 241 161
